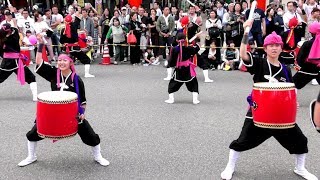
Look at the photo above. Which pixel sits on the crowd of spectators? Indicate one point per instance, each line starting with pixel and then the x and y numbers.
pixel 157 26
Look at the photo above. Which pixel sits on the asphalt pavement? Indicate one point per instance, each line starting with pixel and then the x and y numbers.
pixel 145 138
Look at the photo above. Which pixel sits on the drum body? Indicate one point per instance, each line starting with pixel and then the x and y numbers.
pixel 25 51
pixel 274 105
pixel 82 39
pixel 56 114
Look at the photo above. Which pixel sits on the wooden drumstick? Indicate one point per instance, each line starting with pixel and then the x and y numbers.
pixel 192 4
pixel 9 4
pixel 253 7
pixel 194 37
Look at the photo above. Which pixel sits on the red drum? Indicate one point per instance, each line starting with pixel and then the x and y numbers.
pixel 82 39
pixel 25 51
pixel 274 105
pixel 56 114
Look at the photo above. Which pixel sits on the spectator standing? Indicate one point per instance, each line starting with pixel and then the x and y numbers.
pixel 165 27
pixel 220 9
pixel 214 28
pixel 86 23
pixel 153 31
pixel 174 13
pixel 42 28
pixel 116 15
pixel 309 6
pixel 244 5
pixel 118 32
pixel 25 23
pixel 123 16
pixel 278 21
pixel 314 17
pixel 9 19
pixel 157 8
pixel 135 28
pixel 291 13
pixel 270 26
pixel 125 23
pixel 142 18
pixel 236 21
pixel 258 29
pixel 57 19
pixel 104 28
pixel 225 22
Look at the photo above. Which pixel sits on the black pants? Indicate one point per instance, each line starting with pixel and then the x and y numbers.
pixel 155 42
pixel 119 52
pixel 203 61
pixel 300 79
pixel 29 76
pixel 252 136
pixel 55 42
pixel 85 131
pixel 192 85
pixel 135 54
pixel 163 41
pixel 81 56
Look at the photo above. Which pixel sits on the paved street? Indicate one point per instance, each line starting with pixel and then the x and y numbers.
pixel 145 138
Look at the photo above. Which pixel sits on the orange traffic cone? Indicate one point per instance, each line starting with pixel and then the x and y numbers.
pixel 106 56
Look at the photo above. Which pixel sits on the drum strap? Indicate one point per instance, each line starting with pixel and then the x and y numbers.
pixel 76 83
pixel 286 72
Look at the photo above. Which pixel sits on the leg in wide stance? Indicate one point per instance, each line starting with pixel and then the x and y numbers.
pixel 300 167
pixel 206 76
pixel 169 74
pixel 31 154
pixel 98 157
pixel 228 171
pixel 87 71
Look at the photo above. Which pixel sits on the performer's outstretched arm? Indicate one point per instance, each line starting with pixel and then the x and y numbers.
pixel 243 47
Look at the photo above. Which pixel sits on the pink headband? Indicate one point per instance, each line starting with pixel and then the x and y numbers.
pixel 272 38
pixel 65 57
pixel 314 54
pixel 314 28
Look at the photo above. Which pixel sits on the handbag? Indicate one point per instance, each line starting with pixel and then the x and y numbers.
pixel 214 31
pixel 131 39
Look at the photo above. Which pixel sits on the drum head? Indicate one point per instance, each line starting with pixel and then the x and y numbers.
pixel 312 105
pixel 22 48
pixel 57 96
pixel 274 86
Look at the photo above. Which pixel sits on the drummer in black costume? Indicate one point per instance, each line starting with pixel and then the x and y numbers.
pixel 290 40
pixel 267 70
pixel 64 77
pixel 69 38
pixel 12 61
pixel 308 71
pixel 181 60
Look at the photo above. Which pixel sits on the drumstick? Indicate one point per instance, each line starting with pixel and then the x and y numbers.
pixel 8 1
pixel 192 4
pixel 253 7
pixel 194 37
